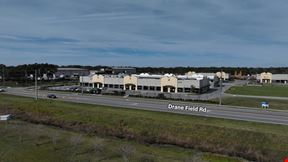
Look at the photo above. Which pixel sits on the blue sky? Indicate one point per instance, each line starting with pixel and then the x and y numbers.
pixel 145 32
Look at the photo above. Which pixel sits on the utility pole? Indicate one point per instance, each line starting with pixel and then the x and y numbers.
pixel 221 88
pixel 26 76
pixel 36 86
pixel 3 76
pixel 82 85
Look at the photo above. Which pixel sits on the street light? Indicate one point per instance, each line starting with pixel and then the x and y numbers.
pixel 82 85
pixel 3 75
pixel 221 88
pixel 36 86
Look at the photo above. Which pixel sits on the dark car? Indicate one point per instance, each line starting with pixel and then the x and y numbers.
pixel 52 96
pixel 2 90
pixel 95 91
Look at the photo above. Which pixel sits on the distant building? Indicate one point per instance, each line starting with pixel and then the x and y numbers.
pixel 223 75
pixel 239 75
pixel 267 77
pixel 123 70
pixel 145 82
pixel 212 77
pixel 71 72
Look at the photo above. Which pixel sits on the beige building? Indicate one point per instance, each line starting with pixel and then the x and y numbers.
pixel 145 82
pixel 267 77
pixel 223 75
pixel 212 77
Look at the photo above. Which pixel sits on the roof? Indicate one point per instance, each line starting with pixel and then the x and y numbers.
pixel 123 68
pixel 71 69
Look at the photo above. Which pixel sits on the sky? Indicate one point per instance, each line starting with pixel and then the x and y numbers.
pixel 155 33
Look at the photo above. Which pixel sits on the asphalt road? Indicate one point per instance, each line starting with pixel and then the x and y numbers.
pixel 199 109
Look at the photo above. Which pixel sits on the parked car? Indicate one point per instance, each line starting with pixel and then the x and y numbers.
pixel 2 90
pixel 52 96
pixel 95 91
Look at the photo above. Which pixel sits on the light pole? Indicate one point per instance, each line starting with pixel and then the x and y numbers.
pixel 221 88
pixel 36 86
pixel 3 76
pixel 82 85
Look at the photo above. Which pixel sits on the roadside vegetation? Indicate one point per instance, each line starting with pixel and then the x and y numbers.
pixel 255 102
pixel 265 90
pixel 252 141
pixel 26 142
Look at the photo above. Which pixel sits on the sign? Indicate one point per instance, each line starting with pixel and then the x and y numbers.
pixel 265 105
pixel 187 108
pixel 5 117
pixel 285 159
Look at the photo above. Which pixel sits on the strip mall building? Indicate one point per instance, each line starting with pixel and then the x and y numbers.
pixel 267 77
pixel 190 82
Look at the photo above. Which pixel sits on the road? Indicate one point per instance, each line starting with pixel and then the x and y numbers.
pixel 189 108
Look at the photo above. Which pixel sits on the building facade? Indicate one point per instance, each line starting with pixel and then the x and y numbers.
pixel 225 76
pixel 123 70
pixel 71 72
pixel 214 80
pixel 267 77
pixel 144 82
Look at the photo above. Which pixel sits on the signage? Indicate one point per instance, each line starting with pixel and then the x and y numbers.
pixel 5 117
pixel 265 105
pixel 187 108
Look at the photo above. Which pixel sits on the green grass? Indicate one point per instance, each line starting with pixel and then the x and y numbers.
pixel 256 141
pixel 268 90
pixel 26 142
pixel 255 102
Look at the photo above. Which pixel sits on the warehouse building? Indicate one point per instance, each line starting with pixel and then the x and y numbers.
pixel 145 82
pixel 71 72
pixel 267 77
pixel 123 70
pixel 212 77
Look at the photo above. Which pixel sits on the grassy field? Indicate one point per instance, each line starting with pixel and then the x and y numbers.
pixel 255 102
pixel 268 90
pixel 26 142
pixel 253 141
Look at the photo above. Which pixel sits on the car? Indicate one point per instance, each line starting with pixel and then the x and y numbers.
pixel 2 90
pixel 95 91
pixel 52 96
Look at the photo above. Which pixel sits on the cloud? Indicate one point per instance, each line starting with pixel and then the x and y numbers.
pixel 144 32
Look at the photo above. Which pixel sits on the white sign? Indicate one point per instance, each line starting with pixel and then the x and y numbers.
pixel 187 108
pixel 5 117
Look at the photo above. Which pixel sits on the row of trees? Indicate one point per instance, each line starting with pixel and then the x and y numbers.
pixel 231 70
pixel 21 71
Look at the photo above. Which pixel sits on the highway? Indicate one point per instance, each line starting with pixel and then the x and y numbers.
pixel 188 108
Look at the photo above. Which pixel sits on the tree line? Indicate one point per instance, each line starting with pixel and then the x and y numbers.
pixel 22 71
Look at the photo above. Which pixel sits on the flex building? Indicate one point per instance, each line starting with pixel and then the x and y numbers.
pixel 267 77
pixel 145 82
pixel 71 72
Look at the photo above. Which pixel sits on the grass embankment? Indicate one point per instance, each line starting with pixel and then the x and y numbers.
pixel 265 90
pixel 26 142
pixel 254 141
pixel 255 102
